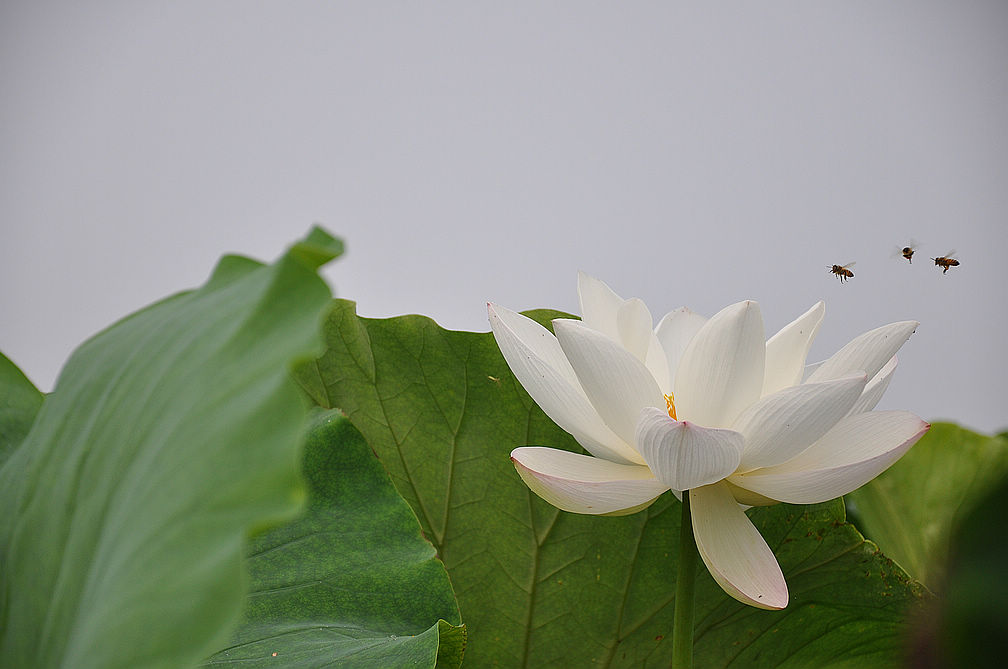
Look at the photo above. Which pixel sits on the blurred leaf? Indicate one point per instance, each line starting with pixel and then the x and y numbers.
pixel 19 402
pixel 543 588
pixel 350 583
pixel 317 248
pixel 169 436
pixel 910 509
pixel 966 625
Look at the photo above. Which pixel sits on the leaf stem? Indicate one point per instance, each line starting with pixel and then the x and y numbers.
pixel 682 621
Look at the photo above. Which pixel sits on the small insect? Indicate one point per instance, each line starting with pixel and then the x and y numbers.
pixel 946 261
pixel 908 251
pixel 842 271
pixel 493 379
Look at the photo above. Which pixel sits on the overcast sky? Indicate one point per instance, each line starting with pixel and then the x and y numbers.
pixel 686 154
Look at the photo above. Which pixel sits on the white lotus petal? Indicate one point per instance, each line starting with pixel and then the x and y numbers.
pixel 856 450
pixel 857 438
pixel 733 550
pixel 674 332
pixel 537 361
pixel 617 384
pixel 583 484
pixel 657 364
pixel 635 326
pixel 810 370
pixel 683 455
pixel 782 425
pixel 875 389
pixel 867 352
pixel 787 350
pixel 721 370
pixel 599 305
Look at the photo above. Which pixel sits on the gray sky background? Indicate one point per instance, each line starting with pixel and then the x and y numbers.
pixel 693 154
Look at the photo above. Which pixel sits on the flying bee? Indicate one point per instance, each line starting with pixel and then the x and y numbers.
pixel 842 271
pixel 908 251
pixel 946 261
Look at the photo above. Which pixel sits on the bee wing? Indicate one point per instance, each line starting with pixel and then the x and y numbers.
pixel 850 264
pixel 948 254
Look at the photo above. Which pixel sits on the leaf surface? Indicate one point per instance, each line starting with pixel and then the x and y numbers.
pixel 538 587
pixel 351 582
pixel 168 438
pixel 20 400
pixel 912 507
pixel 965 625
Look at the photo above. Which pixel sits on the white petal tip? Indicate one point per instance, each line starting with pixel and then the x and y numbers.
pixel 774 602
pixel 771 600
pixel 924 427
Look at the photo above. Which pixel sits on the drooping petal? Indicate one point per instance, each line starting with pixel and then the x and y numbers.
pixel 867 352
pixel 674 332
pixel 617 384
pixel 875 389
pixel 537 361
pixel 683 455
pixel 787 350
pixel 721 370
pixel 782 425
pixel 583 484
pixel 599 305
pixel 733 550
pixel 635 327
pixel 856 450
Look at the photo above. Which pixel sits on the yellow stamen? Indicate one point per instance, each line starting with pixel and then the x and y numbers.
pixel 670 403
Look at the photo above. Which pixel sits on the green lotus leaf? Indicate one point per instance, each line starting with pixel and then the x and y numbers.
pixel 965 625
pixel 351 582
pixel 20 400
pixel 540 587
pixel 169 437
pixel 912 507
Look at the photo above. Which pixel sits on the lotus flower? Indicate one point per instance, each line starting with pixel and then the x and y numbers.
pixel 709 406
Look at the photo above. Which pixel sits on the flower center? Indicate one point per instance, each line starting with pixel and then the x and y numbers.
pixel 670 403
